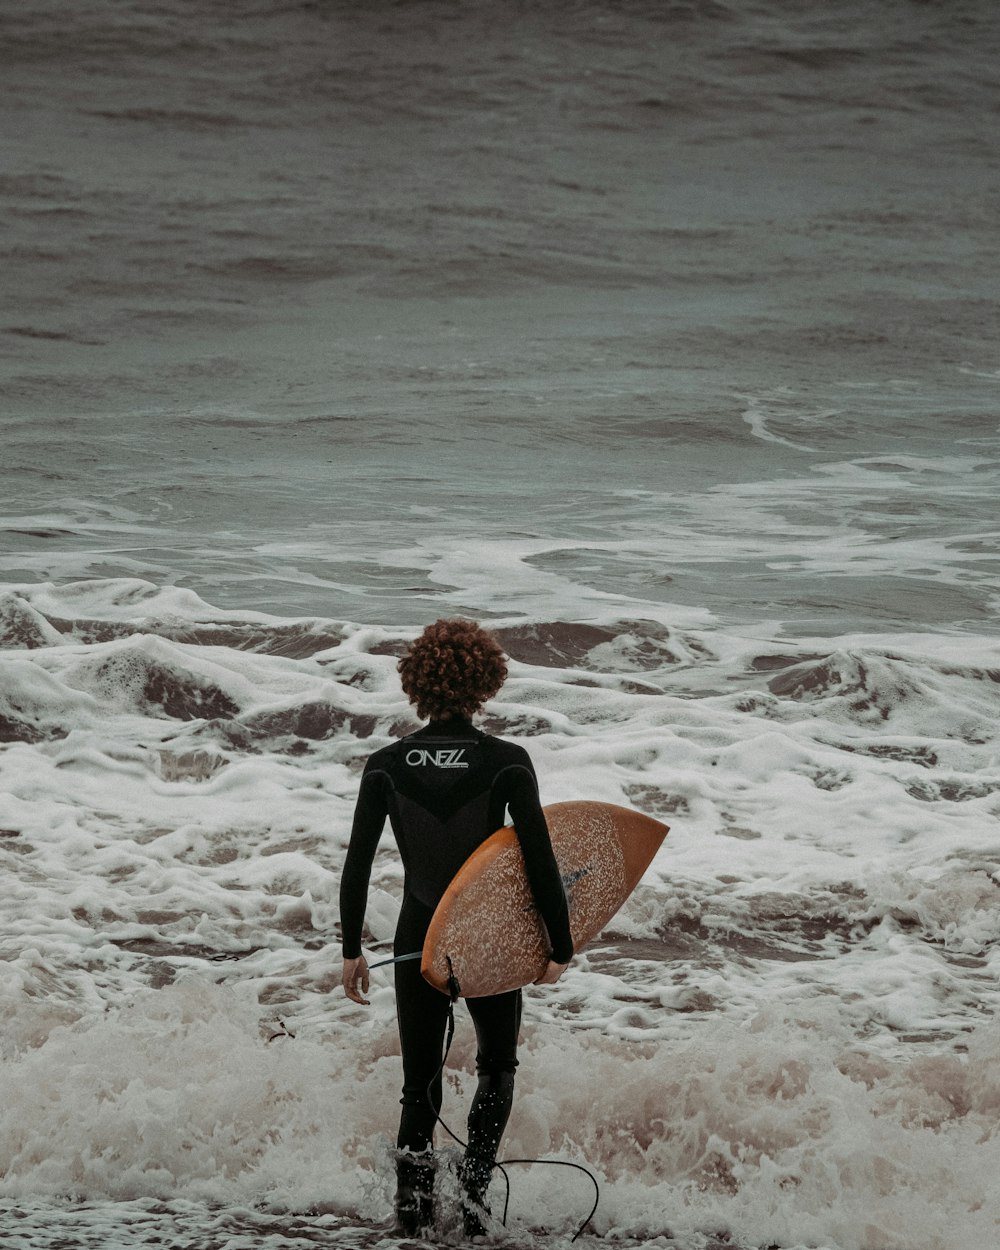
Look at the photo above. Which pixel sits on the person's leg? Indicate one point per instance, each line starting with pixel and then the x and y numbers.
pixel 498 1021
pixel 422 1015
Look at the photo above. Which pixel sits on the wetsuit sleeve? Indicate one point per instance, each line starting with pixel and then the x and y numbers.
pixel 369 820
pixel 539 860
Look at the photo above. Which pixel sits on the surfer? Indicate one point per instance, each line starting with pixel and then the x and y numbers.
pixel 445 789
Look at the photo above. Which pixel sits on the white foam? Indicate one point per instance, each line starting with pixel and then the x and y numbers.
pixel 172 896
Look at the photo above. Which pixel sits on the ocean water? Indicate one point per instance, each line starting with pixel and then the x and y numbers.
pixel 661 336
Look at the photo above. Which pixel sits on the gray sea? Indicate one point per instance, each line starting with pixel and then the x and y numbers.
pixel 660 335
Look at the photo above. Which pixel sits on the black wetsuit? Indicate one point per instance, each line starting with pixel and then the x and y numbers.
pixel 445 789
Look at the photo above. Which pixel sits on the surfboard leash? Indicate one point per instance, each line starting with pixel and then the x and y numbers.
pixel 454 991
pixel 396 959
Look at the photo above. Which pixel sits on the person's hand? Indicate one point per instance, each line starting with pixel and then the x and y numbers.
pixel 551 974
pixel 356 970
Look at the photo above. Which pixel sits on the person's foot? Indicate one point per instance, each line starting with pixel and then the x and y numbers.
pixel 474 1178
pixel 412 1222
pixel 472 1220
pixel 414 1195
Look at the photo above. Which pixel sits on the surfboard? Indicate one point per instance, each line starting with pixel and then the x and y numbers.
pixel 485 928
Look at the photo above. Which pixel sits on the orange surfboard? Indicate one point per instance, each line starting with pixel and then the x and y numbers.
pixel 486 923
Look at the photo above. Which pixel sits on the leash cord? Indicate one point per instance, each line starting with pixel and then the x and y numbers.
pixel 453 991
pixel 556 1163
pixel 398 959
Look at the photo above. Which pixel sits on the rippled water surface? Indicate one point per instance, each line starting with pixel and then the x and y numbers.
pixel 660 335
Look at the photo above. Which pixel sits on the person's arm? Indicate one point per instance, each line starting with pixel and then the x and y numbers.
pixel 369 818
pixel 539 862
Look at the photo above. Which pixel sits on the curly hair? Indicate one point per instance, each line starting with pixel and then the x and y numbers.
pixel 452 669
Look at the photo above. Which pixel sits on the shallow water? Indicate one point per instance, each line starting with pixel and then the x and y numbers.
pixel 662 337
pixel 788 1031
